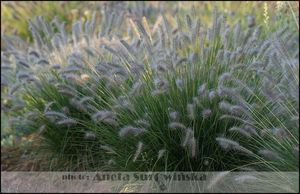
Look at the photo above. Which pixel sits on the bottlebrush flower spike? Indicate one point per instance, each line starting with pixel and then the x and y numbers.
pixel 129 130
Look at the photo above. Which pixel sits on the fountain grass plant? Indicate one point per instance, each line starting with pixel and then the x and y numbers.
pixel 183 97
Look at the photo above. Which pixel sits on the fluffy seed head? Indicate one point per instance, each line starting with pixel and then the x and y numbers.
pixel 174 115
pixel 68 122
pixel 128 130
pixel 161 153
pixel 212 95
pixel 191 111
pixel 202 89
pixel 138 151
pixel 269 154
pixel 89 135
pixel 226 143
pixel 108 149
pixel 206 113
pixel 176 125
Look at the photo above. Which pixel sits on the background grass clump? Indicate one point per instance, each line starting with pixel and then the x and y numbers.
pixel 151 87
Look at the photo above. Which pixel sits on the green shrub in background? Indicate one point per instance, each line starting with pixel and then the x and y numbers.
pixel 172 94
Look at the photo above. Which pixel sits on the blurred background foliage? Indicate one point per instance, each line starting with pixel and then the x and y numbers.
pixel 15 15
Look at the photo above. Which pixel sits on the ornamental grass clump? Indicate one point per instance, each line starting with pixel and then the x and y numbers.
pixel 181 96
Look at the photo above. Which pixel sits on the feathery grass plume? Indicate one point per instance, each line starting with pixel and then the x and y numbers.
pixel 6 67
pixel 243 120
pixel 147 28
pixel 128 47
pixel 161 84
pixel 68 122
pixel 161 153
pixel 102 115
pixel 86 99
pixel 4 82
pixel 202 90
pixel 236 110
pixel 162 67
pixel 296 150
pixel 223 105
pixel 110 121
pixel 226 143
pixel 17 107
pixel 136 89
pixel 264 133
pixel 143 123
pixel 146 36
pixel 76 31
pixel 176 125
pixel 34 53
pixel 105 116
pixel 241 131
pixel 206 113
pixel 191 111
pixel 188 21
pixel 108 149
pixel 48 106
pixel 56 42
pixel 174 115
pixel 188 135
pixel 65 110
pixel 67 92
pixel 74 77
pixel 130 130
pixel 22 75
pixel 263 49
pixel 243 150
pixel 111 162
pixel 251 130
pixel 161 87
pixel 135 29
pixel 41 129
pixel 237 34
pixel 196 101
pixel 138 151
pixel 56 66
pixel 77 104
pixel 32 115
pixel 215 179
pixel 157 24
pixel 269 154
pixel 55 114
pixel 14 88
pixel 205 162
pixel 192 146
pixel 43 62
pixel 88 135
pixel 279 133
pixel 212 95
pixel 196 30
pixel 180 61
pixel 225 76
